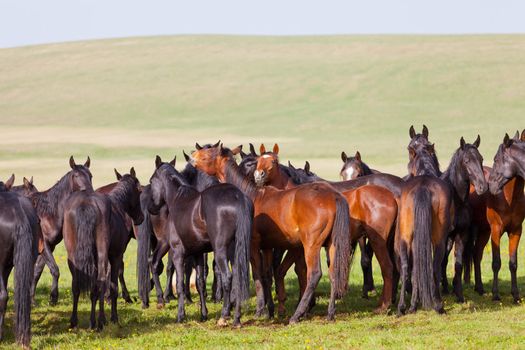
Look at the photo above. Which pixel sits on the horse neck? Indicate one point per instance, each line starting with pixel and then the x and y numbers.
pixel 513 190
pixel 281 180
pixel 121 196
pixel 233 175
pixel 49 201
pixel 457 177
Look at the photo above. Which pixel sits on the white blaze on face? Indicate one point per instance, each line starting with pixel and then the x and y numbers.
pixel 348 173
pixel 266 156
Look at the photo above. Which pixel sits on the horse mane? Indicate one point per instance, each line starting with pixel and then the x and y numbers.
pixel 184 188
pixel 198 179
pixel 452 170
pixel 122 190
pixel 426 163
pixel 235 176
pixel 46 202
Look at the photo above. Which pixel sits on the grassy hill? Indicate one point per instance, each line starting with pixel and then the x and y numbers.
pixel 123 101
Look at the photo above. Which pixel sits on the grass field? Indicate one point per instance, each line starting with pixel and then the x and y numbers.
pixel 124 101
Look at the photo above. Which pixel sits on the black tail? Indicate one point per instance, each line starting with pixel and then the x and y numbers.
pixel 144 233
pixel 243 234
pixel 343 250
pixel 24 260
pixel 422 271
pixel 85 251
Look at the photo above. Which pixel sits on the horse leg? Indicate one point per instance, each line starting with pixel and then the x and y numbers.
pixel 189 264
pixel 496 262
pixel 178 263
pixel 201 285
pixel 277 258
pixel 39 268
pixel 3 299
pixel 403 262
pixel 170 270
pixel 76 294
pixel 101 283
pixel 479 246
pixel 514 240
pixel 439 254
pixel 460 242
pixel 226 278
pixel 387 269
pixel 125 292
pixel 53 269
pixel 268 280
pixel 156 259
pixel 280 273
pixel 444 279
pixel 256 262
pixel 116 266
pixel 216 287
pixel 314 274
pixel 366 266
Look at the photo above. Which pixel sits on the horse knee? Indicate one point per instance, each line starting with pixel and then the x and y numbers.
pixel 496 263
pixel 513 265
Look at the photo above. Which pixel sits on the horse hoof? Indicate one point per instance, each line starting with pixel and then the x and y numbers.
pixel 293 321
pixel 380 310
pixel 517 300
pixel 480 291
pixel 160 306
pixel 460 299
pixel 222 322
pixel 496 298
pixel 204 318
pixel 237 324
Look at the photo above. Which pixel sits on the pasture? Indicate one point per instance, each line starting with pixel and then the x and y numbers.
pixel 124 101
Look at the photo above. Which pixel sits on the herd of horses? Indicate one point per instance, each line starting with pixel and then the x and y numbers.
pixel 271 216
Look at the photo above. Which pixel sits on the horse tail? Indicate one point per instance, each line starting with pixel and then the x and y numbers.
pixel 145 230
pixel 423 273
pixel 468 254
pixel 85 251
pixel 344 252
pixel 243 234
pixel 25 253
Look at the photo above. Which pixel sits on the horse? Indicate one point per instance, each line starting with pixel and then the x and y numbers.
pixel 373 212
pixel 49 206
pixel 218 219
pixel 423 224
pixel 154 230
pixel 19 236
pixel 420 142
pixel 312 215
pixel 96 235
pixel 502 210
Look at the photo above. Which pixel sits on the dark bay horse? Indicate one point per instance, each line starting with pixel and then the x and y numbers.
pixel 423 223
pixel 49 206
pixel 27 189
pixel 96 235
pixel 502 210
pixel 19 240
pixel 218 219
pixel 312 215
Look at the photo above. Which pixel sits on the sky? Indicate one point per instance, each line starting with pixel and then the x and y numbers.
pixel 25 22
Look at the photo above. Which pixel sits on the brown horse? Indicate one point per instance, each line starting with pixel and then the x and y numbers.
pixel 312 215
pixel 96 236
pixel 423 223
pixel 49 206
pixel 372 211
pixel 501 210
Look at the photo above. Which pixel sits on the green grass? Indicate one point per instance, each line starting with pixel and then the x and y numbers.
pixel 123 101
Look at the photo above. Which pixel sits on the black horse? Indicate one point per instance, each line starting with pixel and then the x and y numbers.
pixel 19 238
pixel 218 219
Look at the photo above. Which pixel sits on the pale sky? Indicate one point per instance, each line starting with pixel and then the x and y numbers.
pixel 25 22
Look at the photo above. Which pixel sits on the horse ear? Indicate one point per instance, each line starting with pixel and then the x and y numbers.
pixel 237 150
pixel 252 150
pixel 276 149
pixel 290 165
pixel 158 161
pixel 197 146
pixel 262 149
pixel 118 174
pixel 517 135
pixel 462 143
pixel 88 162
pixel 344 157
pixel 358 156
pixel 432 149
pixel 425 131
pixel 507 141
pixel 72 162
pixel 217 144
pixel 9 183
pixel 173 161
pixel 27 183
pixel 477 142
pixel 243 155
pixel 411 132
pixel 187 157
pixel 522 138
pixel 132 172
pixel 307 167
